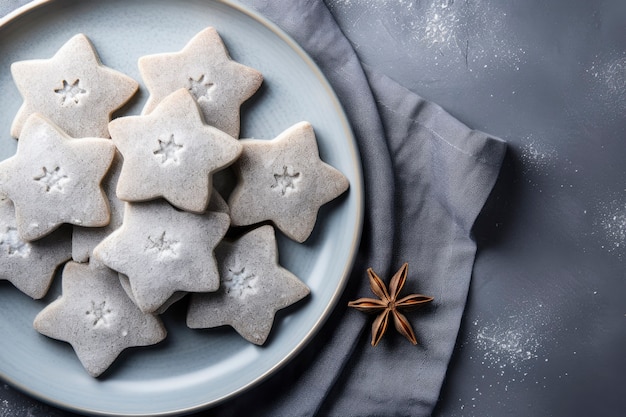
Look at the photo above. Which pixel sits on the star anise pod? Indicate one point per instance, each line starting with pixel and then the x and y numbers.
pixel 389 304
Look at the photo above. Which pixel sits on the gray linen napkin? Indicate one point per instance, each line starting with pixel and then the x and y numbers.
pixel 427 177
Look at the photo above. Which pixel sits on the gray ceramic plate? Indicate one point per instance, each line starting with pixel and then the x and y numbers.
pixel 191 369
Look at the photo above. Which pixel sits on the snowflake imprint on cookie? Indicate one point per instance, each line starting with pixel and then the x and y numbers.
pixel 286 182
pixel 30 266
pixel 73 89
pixel 164 246
pixel 205 69
pixel 201 88
pixel 180 166
pixel 99 314
pixel 168 151
pixel 52 179
pixel 240 283
pixel 71 93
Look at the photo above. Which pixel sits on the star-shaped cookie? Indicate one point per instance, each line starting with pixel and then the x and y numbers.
pixel 253 288
pixel 96 317
pixel 30 266
pixel 171 153
pixel 217 204
pixel 204 67
pixel 54 179
pixel 285 181
pixel 72 88
pixel 163 250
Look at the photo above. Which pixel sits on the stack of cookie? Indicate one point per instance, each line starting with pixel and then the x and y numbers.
pixel 131 200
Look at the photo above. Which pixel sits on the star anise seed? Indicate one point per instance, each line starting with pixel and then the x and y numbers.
pixel 388 303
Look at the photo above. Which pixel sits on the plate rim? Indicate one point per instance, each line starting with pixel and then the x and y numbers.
pixel 356 186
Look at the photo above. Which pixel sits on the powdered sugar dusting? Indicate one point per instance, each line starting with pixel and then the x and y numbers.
pixel 29 408
pixel 607 77
pixel 510 343
pixel 474 31
pixel 471 35
pixel 610 72
pixel 509 353
pixel 537 155
pixel 615 76
pixel 538 161
pixel 506 347
pixel 611 222
pixel 440 25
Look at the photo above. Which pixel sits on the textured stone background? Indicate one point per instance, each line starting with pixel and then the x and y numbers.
pixel 545 328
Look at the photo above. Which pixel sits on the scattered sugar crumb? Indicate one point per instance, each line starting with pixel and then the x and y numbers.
pixel 606 75
pixel 29 408
pixel 610 72
pixel 509 344
pixel 473 36
pixel 537 155
pixel 510 350
pixel 475 33
pixel 611 223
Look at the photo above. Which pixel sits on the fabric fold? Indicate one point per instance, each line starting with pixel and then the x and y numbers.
pixel 426 178
pixel 443 173
pixel 463 163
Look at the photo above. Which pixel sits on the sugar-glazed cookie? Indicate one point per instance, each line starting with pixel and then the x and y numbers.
pixel 54 179
pixel 30 266
pixel 253 288
pixel 171 153
pixel 73 89
pixel 163 250
pixel 96 317
pixel 285 181
pixel 217 204
pixel 204 67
